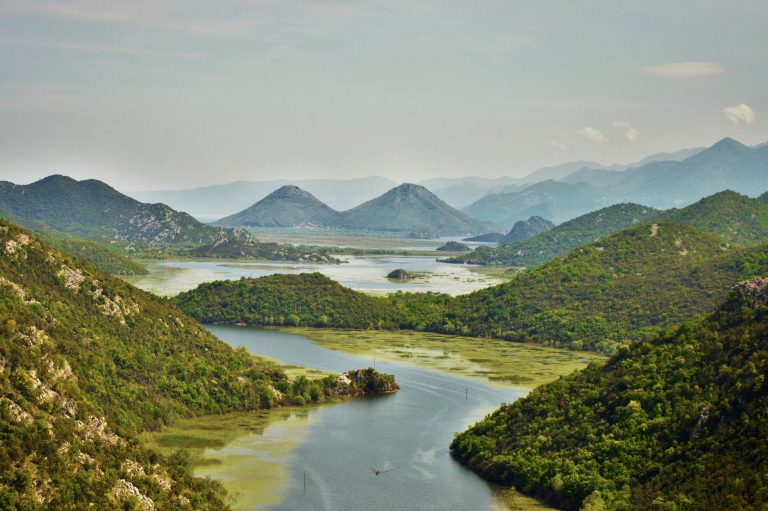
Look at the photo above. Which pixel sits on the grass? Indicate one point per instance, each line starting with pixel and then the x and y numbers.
pixel 247 452
pixel 489 360
pixel 512 500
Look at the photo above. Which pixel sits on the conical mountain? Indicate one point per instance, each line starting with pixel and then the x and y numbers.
pixel 411 208
pixel 288 206
pixel 524 229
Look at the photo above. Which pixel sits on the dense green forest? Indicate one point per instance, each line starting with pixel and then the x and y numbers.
pixel 308 299
pixel 677 422
pixel 562 239
pixel 87 361
pixel 733 217
pixel 103 257
pixel 622 288
pixel 618 289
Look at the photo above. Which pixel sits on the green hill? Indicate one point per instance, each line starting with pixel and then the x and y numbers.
pixel 676 422
pixel 733 217
pixel 728 215
pixel 563 238
pixel 102 256
pixel 622 288
pixel 618 289
pixel 308 299
pixel 86 362
pixel 92 209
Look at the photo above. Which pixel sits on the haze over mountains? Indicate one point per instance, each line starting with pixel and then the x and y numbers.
pixel 210 203
pixel 214 202
pixel 94 210
pixel 726 165
pixel 407 208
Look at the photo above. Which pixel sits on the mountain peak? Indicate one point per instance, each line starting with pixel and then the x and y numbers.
pixel 291 192
pixel 56 179
pixel 524 229
pixel 411 188
pixel 728 144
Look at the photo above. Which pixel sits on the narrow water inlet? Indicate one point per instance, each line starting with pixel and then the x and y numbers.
pixel 404 437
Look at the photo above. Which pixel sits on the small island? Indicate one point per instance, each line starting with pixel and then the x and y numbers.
pixel 454 246
pixel 370 382
pixel 399 274
pixel 356 383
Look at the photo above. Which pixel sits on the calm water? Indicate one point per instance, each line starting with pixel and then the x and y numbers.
pixel 368 274
pixel 408 433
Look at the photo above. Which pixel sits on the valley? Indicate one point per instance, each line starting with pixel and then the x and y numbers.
pixel 383 256
pixel 335 446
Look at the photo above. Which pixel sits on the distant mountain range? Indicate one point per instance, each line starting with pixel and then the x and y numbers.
pixel 557 193
pixel 407 208
pixel 209 203
pixel 727 164
pixel 214 202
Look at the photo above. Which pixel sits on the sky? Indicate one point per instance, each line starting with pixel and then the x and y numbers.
pixel 174 94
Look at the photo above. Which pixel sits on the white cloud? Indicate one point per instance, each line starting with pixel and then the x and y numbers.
pixel 630 132
pixel 556 145
pixel 592 134
pixel 740 114
pixel 679 70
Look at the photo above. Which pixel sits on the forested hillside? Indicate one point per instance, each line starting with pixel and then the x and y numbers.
pixel 622 288
pixel 733 217
pixel 86 362
pixel 562 239
pixel 677 422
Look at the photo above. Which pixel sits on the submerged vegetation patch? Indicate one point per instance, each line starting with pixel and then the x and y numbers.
pixel 489 360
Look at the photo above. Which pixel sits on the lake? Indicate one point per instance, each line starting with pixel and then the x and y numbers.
pixel 362 273
pixel 338 447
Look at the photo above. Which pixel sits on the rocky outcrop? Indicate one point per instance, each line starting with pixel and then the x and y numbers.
pixel 754 291
pixel 399 274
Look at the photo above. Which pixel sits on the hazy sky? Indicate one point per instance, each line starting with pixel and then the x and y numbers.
pixel 181 93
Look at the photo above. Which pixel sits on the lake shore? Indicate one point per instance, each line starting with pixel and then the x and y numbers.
pixel 253 454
